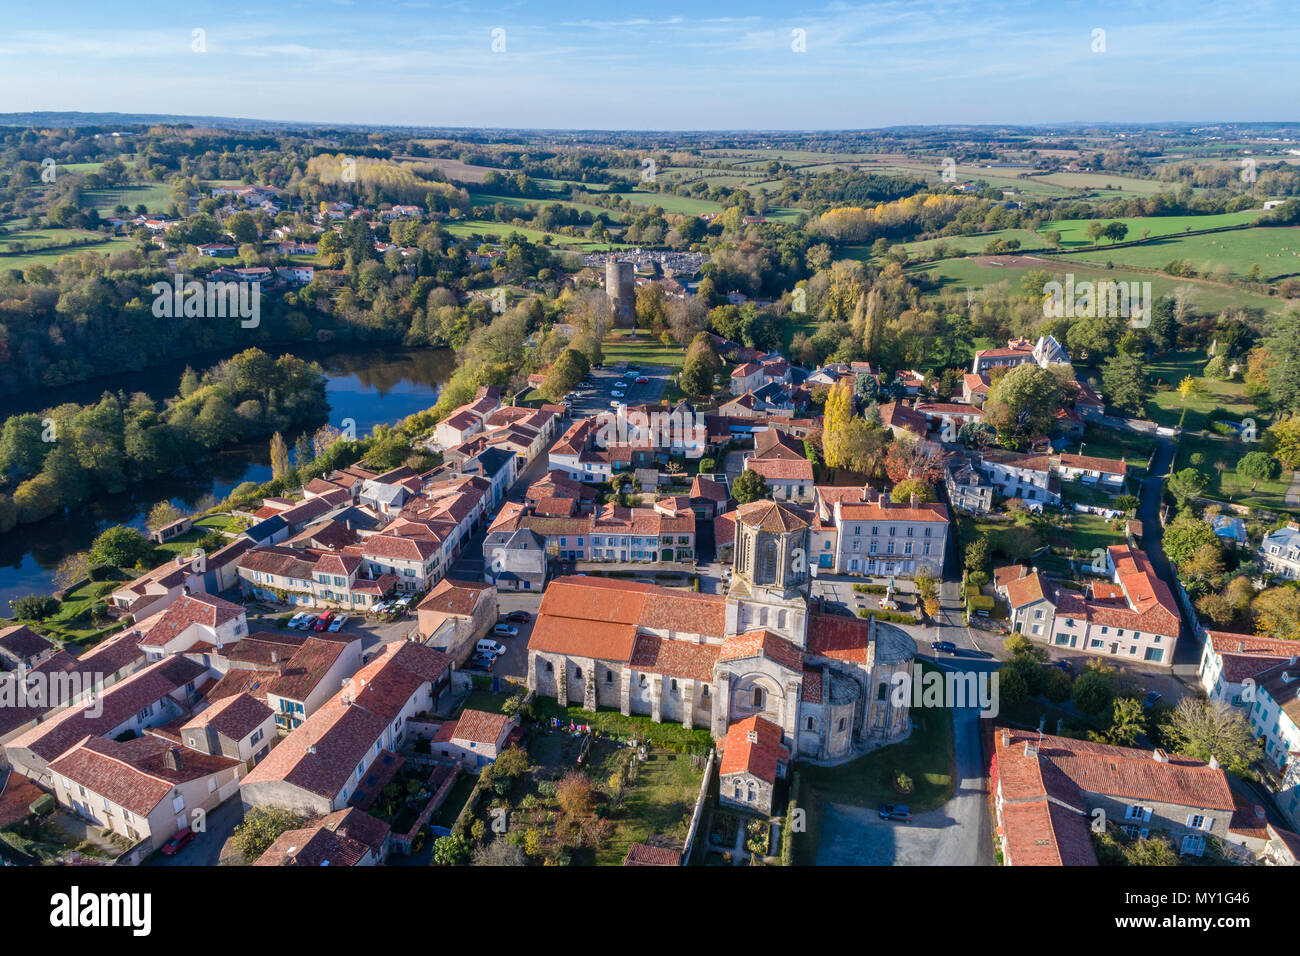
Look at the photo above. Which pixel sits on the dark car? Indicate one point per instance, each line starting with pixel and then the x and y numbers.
pixel 1063 665
pixel 178 842
pixel 895 811
pixel 1150 699
pixel 518 617
pixel 948 647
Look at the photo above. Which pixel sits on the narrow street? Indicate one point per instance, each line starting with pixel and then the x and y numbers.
pixel 1188 652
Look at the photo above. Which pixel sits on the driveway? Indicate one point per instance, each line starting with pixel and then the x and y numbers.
pixel 1188 651
pixel 592 401
pixel 957 834
pixel 205 849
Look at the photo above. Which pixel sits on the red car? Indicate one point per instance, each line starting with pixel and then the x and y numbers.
pixel 324 621
pixel 178 842
pixel 642 380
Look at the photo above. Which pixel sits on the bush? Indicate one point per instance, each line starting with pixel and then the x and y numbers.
pixel 261 827
pixel 34 607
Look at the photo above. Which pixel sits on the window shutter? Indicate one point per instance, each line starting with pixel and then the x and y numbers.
pixel 1208 824
pixel 1190 818
pixel 1146 813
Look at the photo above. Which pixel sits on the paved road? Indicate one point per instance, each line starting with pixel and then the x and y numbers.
pixel 205 850
pixel 957 834
pixel 1188 652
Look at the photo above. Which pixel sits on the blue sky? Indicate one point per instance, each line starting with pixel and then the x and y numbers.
pixel 666 64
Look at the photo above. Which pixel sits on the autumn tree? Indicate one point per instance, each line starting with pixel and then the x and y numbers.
pixel 839 411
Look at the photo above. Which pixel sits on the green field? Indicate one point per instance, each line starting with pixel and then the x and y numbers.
pixel 1276 249
pixel 522 202
pixel 53 242
pixel 1206 297
pixel 156 198
pixel 1110 185
pixel 1073 231
pixel 464 228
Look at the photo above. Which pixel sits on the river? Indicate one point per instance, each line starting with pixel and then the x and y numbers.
pixel 370 386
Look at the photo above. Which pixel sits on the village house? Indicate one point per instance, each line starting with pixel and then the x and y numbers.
pixel 190 621
pixel 294 674
pixel 154 695
pixel 454 615
pixel 20 646
pixel 1047 789
pixel 143 789
pixel 322 764
pixel 1279 552
pixel 663 532
pixel 873 535
pixel 239 726
pixel 474 739
pixel 1134 617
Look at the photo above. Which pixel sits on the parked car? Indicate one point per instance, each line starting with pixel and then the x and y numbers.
pixel 895 811
pixel 633 368
pixel 617 393
pixel 615 403
pixel 338 622
pixel 642 380
pixel 323 621
pixel 487 646
pixel 947 647
pixel 1150 699
pixel 482 662
pixel 505 630
pixel 180 841
pixel 1063 665
pixel 297 619
pixel 308 624
pixel 519 617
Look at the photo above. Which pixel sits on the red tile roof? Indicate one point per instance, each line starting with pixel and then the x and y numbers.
pixel 187 610
pixel 135 774
pixel 763 643
pixel 760 757
pixel 480 727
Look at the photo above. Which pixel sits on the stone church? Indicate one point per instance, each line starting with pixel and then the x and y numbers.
pixel 762 650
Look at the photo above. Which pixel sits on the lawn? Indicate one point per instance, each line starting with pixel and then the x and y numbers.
pixel 1216 399
pixel 1074 231
pixel 156 198
pixel 497 231
pixel 926 756
pixel 186 543
pixel 641 349
pixel 72 624
pixel 659 803
pixel 1225 485
pixel 1207 297
pixel 1275 249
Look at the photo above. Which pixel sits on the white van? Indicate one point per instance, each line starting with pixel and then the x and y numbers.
pixel 486 646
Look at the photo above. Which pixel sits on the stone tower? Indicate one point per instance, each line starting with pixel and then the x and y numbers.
pixel 770 578
pixel 620 290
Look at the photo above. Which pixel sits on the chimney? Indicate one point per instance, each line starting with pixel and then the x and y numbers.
pixel 1159 755
pixel 913 501
pixel 1214 762
pixel 275 656
pixel 1031 748
pixel 753 736
pixel 882 501
pixel 1006 738
pixel 172 758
